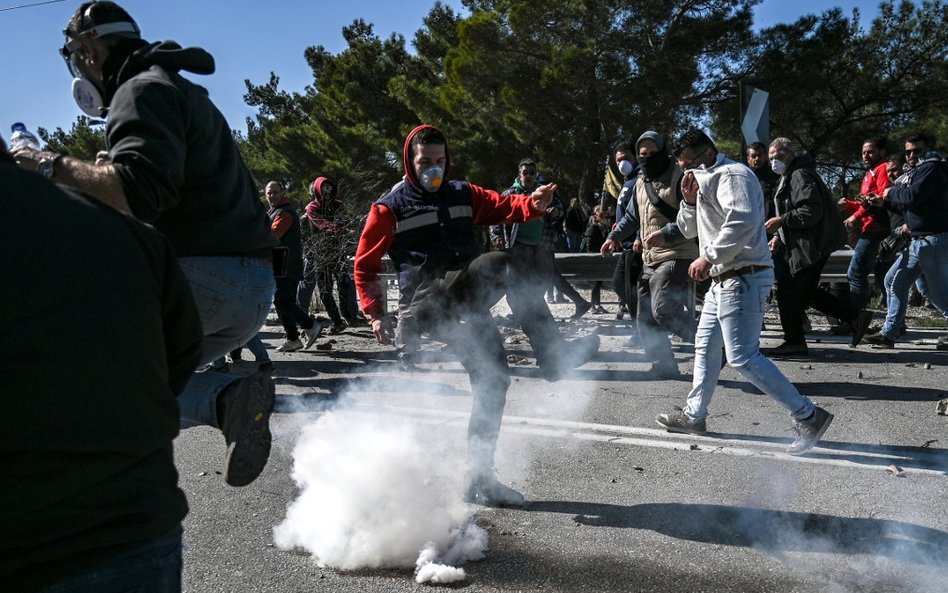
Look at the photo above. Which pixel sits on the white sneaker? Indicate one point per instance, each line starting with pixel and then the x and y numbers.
pixel 312 333
pixel 290 346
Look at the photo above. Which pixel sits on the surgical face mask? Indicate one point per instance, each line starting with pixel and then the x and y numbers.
pixel 779 167
pixel 625 167
pixel 431 178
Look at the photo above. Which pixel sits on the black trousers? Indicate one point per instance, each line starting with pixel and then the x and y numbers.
pixel 625 278
pixel 290 314
pixel 455 308
pixel 797 292
pixel 325 278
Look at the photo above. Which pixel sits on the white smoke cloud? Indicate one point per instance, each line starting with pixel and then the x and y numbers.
pixel 375 489
pixel 469 544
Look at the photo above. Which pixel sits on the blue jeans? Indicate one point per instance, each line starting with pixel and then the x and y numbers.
pixel 256 347
pixel 233 297
pixel 304 293
pixel 731 317
pixel 927 254
pixel 860 266
pixel 574 240
pixel 152 567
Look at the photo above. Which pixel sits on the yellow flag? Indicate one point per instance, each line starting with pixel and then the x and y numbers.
pixel 612 183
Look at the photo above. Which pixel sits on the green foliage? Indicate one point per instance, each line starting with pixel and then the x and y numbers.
pixel 346 124
pixel 833 84
pixel 562 80
pixel 82 141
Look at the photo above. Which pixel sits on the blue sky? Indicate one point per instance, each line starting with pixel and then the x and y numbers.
pixel 248 40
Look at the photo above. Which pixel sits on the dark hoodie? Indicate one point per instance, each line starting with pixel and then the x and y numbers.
pixel 812 228
pixel 174 154
pixel 922 196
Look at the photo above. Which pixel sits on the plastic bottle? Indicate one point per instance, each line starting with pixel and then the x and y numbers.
pixel 22 137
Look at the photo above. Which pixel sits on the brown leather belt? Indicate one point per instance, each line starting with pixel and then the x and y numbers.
pixel 736 272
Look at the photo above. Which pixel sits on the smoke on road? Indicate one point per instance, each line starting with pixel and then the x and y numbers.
pixel 375 491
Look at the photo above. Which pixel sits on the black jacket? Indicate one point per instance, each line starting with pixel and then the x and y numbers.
pixel 922 196
pixel 812 228
pixel 177 161
pixel 292 240
pixel 100 334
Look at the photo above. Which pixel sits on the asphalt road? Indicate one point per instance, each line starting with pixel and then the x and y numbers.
pixel 615 503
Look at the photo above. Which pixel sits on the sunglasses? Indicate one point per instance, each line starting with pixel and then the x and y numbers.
pixel 71 48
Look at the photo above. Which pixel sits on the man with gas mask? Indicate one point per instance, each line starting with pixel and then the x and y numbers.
pixel 663 286
pixel 173 163
pixel 426 225
pixel 723 205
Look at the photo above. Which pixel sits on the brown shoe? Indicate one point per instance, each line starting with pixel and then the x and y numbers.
pixel 879 341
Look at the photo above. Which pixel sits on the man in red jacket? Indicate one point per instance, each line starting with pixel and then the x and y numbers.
pixel 426 225
pixel 872 223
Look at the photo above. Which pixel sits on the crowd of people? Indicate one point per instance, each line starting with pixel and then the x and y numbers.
pixel 173 262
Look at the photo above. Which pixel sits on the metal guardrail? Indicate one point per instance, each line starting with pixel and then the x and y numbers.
pixel 590 267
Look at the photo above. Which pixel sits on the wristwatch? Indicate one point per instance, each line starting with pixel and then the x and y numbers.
pixel 46 166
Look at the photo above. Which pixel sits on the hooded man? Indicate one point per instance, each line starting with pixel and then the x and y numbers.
pixel 172 162
pixel 326 250
pixel 426 225
pixel 664 285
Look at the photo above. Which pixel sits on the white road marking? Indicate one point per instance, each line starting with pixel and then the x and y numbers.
pixel 878 459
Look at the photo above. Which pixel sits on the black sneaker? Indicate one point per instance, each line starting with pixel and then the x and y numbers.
pixel 787 349
pixel 679 422
pixel 582 308
pixel 311 334
pixel 860 325
pixel 843 329
pixel 568 356
pixel 266 367
pixel 486 490
pixel 664 371
pixel 942 343
pixel 246 405
pixel 809 431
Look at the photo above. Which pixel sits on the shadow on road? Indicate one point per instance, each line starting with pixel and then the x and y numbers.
pixel 774 532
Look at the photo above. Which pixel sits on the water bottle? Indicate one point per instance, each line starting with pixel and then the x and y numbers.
pixel 22 137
